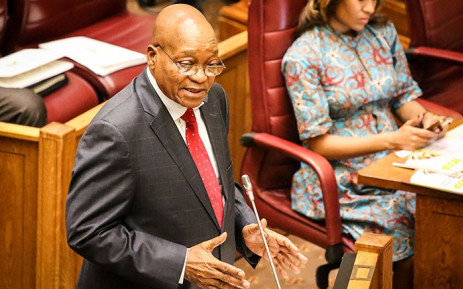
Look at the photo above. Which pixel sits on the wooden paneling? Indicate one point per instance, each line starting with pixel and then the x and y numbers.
pixel 228 27
pixel 396 12
pixel 235 81
pixel 34 179
pixel 56 157
pixel 438 243
pixel 18 217
pixel 233 19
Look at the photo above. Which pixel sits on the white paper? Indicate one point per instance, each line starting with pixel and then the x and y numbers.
pixel 403 153
pixel 100 57
pixel 25 60
pixel 438 181
pixel 438 165
pixel 36 75
pixel 450 144
pixel 444 164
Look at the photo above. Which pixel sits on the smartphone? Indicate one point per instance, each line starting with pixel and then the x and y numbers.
pixel 440 124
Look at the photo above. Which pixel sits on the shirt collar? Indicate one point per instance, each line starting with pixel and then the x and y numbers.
pixel 175 109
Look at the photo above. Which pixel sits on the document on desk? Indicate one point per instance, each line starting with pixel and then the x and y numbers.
pixel 100 57
pixel 433 162
pixel 450 144
pixel 452 184
pixel 30 66
pixel 438 165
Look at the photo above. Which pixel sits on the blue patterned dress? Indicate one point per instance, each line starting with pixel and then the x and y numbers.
pixel 335 92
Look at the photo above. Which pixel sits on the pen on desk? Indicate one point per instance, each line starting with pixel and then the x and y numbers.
pixel 437 171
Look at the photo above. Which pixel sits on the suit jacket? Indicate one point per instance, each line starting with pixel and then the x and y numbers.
pixel 136 201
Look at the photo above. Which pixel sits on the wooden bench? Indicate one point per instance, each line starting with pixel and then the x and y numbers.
pixel 35 171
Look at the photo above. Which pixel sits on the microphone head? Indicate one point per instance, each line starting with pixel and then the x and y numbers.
pixel 246 182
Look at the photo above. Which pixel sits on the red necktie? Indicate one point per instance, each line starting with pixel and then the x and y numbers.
pixel 203 163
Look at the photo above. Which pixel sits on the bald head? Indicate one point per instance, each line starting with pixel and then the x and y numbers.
pixel 180 22
pixel 183 51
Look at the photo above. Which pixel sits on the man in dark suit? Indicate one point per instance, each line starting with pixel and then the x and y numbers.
pixel 138 210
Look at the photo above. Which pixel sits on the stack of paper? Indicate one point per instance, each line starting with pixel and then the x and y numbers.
pixel 100 57
pixel 434 162
pixel 438 165
pixel 453 184
pixel 30 66
pixel 450 144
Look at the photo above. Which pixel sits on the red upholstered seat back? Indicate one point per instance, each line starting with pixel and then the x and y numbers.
pixel 67 102
pixel 36 21
pixel 438 24
pixel 274 152
pixel 3 18
pixel 271 26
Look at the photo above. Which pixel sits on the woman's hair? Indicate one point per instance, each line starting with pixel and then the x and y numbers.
pixel 317 13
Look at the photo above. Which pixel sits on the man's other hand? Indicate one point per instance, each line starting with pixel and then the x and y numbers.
pixel 284 253
pixel 204 270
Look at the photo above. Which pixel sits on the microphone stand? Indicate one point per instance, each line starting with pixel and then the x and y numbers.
pixel 248 186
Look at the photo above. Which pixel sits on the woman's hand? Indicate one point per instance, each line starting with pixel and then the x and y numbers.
pixel 436 123
pixel 411 137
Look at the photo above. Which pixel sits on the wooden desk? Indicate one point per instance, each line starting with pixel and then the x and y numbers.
pixel 438 225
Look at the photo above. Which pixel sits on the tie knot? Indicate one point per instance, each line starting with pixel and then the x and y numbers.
pixel 189 116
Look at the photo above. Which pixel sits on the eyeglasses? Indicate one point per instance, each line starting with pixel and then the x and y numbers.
pixel 192 69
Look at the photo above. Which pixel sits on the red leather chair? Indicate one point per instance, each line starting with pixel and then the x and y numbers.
pixel 3 18
pixel 67 102
pixel 436 50
pixel 71 100
pixel 36 21
pixel 274 152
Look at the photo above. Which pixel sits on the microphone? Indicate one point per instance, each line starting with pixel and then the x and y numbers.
pixel 248 187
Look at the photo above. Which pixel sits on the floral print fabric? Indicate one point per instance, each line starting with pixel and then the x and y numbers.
pixel 348 86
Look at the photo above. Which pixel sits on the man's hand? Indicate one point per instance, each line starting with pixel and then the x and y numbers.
pixel 283 251
pixel 204 270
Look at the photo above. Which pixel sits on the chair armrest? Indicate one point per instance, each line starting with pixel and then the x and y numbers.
pixel 438 109
pixel 321 166
pixel 449 56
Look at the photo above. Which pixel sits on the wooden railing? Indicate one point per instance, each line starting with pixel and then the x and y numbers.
pixel 35 171
pixel 373 263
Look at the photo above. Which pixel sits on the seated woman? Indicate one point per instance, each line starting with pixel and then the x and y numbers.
pixel 348 80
